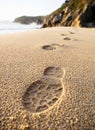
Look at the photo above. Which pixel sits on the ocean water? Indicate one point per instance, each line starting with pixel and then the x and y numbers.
pixel 12 27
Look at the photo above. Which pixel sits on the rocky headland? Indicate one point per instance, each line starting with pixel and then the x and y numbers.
pixel 30 19
pixel 73 13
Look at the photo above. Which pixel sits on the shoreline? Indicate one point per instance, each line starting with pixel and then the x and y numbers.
pixel 9 27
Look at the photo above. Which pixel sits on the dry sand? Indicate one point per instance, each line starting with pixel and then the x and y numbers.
pixel 47 79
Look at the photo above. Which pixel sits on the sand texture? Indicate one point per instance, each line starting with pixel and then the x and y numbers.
pixel 47 79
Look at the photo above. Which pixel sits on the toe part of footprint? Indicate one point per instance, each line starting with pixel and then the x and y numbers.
pixel 53 71
pixel 67 38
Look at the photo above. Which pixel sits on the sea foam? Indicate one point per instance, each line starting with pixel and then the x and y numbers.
pixel 12 27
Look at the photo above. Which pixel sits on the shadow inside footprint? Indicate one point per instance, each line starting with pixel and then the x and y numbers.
pixel 53 71
pixel 67 38
pixel 63 34
pixel 44 93
pixel 48 47
pixel 52 46
pixel 71 32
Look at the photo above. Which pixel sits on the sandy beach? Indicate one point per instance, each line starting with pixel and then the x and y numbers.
pixel 47 79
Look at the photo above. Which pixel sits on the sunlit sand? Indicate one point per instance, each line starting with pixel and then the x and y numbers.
pixel 47 79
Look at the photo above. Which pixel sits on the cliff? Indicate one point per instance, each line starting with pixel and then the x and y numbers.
pixel 73 13
pixel 30 19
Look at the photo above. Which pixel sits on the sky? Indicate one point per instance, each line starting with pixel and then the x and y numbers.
pixel 11 9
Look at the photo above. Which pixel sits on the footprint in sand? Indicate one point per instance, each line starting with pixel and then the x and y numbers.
pixel 71 32
pixel 44 93
pixel 63 34
pixel 51 47
pixel 67 38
